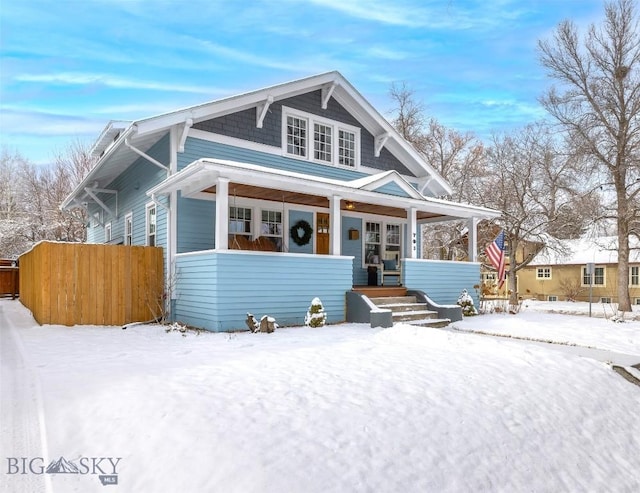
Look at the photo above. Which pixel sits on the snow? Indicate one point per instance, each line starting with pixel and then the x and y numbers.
pixel 339 408
pixel 600 250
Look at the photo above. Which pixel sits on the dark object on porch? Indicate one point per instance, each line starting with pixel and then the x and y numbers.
pixel 372 275
pixel 260 244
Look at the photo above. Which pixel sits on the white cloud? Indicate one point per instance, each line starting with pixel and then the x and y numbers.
pixel 79 78
pixel 386 13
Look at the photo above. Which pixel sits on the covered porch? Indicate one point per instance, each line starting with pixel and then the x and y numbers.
pixel 258 261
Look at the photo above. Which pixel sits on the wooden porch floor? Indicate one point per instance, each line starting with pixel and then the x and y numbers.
pixel 381 291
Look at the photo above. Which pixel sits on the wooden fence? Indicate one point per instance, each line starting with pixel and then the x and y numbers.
pixel 86 284
pixel 9 285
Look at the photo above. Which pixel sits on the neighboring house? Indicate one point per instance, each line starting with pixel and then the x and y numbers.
pixel 268 199
pixel 561 274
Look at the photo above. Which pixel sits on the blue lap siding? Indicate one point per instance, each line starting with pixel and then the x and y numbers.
pixel 215 290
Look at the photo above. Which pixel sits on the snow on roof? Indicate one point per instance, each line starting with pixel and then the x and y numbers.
pixel 601 250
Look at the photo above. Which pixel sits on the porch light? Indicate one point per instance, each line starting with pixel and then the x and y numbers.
pixel 350 206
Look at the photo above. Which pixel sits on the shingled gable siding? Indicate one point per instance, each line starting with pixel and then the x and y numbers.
pixel 242 125
pixel 441 280
pixel 215 290
pixel 131 186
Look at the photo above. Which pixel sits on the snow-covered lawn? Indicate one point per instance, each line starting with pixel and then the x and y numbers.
pixel 338 409
pixel 554 321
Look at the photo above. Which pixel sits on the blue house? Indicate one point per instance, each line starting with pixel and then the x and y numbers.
pixel 265 200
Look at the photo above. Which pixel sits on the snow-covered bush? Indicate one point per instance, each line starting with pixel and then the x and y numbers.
pixel 466 302
pixel 316 316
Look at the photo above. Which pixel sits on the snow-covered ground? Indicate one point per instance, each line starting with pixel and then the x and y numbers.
pixel 341 408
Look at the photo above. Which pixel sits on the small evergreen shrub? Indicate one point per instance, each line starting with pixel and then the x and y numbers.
pixel 466 302
pixel 316 316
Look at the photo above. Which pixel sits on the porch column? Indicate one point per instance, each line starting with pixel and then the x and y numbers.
pixel 335 224
pixel 222 214
pixel 473 239
pixel 412 216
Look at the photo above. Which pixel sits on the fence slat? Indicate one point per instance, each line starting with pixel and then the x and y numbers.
pixel 83 284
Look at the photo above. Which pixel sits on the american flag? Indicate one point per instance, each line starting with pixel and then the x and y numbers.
pixel 495 252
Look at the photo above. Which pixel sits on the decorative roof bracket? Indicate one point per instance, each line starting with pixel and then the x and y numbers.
pixel 379 143
pixel 261 111
pixel 327 91
pixel 91 192
pixel 188 123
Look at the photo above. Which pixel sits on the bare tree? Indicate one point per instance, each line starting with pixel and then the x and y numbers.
pixel 12 221
pixel 409 115
pixel 458 157
pixel 30 198
pixel 530 182
pixel 598 104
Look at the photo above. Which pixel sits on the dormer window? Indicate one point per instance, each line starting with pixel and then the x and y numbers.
pixel 313 138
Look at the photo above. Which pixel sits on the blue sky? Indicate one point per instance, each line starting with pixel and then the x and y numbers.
pixel 68 67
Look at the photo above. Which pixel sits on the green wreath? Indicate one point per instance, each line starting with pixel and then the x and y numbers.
pixel 305 237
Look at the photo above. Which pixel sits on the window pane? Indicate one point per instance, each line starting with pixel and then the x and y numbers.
pixel 322 142
pixel 598 277
pixel 296 136
pixel 372 247
pixel 271 227
pixel 346 148
pixel 240 220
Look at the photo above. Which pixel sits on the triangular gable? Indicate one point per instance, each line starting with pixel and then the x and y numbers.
pixel 332 85
pixel 389 182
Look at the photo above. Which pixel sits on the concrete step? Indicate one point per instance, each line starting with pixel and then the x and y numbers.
pixel 393 300
pixel 404 307
pixel 413 315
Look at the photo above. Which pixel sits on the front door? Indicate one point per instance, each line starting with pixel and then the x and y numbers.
pixel 322 233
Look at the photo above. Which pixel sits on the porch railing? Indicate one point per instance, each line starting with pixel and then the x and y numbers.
pixel 442 280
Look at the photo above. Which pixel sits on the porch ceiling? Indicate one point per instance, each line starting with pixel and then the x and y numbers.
pixel 260 182
pixel 276 195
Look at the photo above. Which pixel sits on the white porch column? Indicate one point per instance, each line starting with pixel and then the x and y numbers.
pixel 473 239
pixel 412 232
pixel 335 225
pixel 222 213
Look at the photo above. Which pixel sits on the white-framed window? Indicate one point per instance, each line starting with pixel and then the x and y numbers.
pixel 598 277
pixel 636 301
pixel 322 143
pixel 151 224
pixel 552 298
pixel 543 273
pixel 347 148
pixel 382 241
pixel 128 229
pixel 107 232
pixel 634 275
pixel 605 299
pixel 240 222
pixel 271 227
pixel 318 139
pixel 296 136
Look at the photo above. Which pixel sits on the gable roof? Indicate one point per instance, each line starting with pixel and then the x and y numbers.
pixel 332 84
pixel 601 250
pixel 118 145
